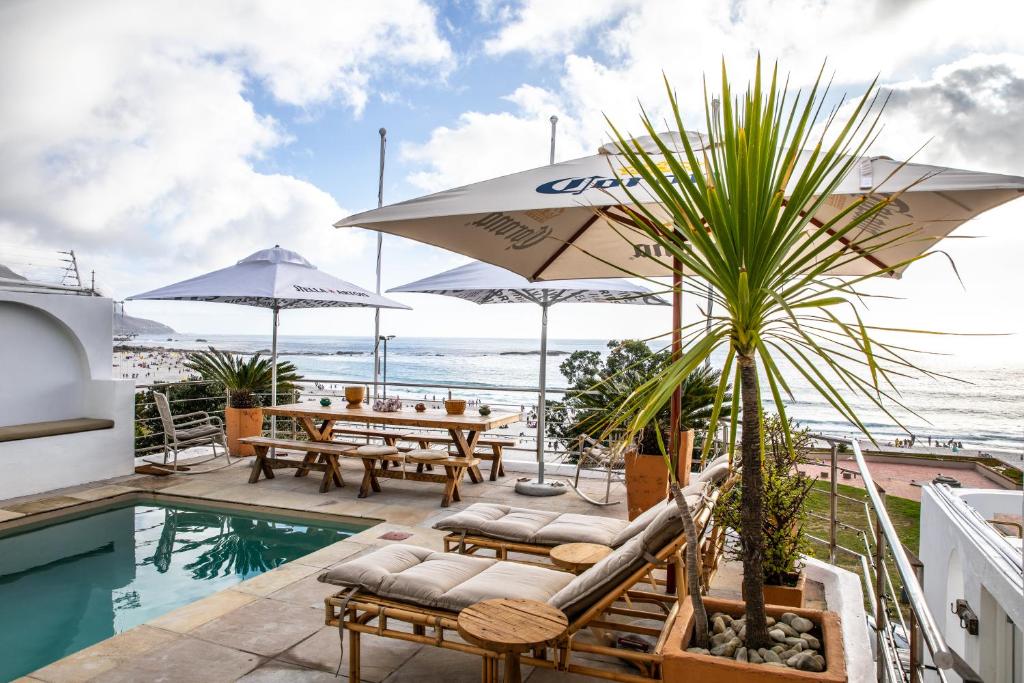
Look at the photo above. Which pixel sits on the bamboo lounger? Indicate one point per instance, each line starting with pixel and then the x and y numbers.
pixel 353 611
pixel 472 543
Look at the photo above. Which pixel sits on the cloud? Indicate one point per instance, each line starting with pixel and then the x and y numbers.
pixel 968 113
pixel 481 146
pixel 545 28
pixel 130 128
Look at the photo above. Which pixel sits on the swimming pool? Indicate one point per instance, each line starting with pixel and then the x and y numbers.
pixel 72 583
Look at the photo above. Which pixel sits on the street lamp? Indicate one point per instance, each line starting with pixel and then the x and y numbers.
pixel 385 339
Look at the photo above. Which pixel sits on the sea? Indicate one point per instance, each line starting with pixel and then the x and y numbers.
pixel 982 406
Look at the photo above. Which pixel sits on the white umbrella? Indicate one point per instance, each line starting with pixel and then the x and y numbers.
pixel 566 220
pixel 483 283
pixel 275 279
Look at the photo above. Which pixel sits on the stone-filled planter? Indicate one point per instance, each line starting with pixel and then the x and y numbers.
pixel 240 423
pixel 786 596
pixel 680 665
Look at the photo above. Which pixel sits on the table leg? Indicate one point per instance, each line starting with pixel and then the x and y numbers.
pixel 465 444
pixel 512 674
pixel 307 459
pixel 339 480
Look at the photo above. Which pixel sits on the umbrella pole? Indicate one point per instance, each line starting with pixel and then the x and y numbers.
pixel 273 377
pixel 539 487
pixel 542 404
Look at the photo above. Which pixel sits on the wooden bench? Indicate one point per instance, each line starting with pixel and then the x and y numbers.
pixel 496 444
pixel 321 456
pixel 38 430
pixel 454 468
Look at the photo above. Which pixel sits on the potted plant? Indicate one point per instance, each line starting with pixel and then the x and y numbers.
pixel 244 381
pixel 744 210
pixel 785 491
pixel 601 390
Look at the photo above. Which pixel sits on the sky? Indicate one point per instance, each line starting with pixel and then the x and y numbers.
pixel 162 140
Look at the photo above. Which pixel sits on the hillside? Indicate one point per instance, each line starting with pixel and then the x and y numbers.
pixel 126 324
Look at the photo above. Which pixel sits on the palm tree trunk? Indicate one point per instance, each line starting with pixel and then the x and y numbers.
pixel 693 569
pixel 752 506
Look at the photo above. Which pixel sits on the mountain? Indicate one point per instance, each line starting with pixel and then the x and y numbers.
pixel 6 272
pixel 126 324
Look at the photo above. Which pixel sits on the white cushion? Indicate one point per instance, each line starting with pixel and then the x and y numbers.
pixel 427 454
pixel 447 581
pixel 376 450
pixel 715 472
pixel 498 521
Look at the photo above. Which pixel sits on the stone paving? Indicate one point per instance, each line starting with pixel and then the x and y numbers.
pixel 271 628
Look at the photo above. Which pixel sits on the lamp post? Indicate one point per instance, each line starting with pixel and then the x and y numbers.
pixel 385 338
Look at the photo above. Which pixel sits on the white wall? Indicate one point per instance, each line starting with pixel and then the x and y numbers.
pixel 956 566
pixel 56 351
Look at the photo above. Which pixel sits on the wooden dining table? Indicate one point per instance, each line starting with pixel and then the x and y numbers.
pixel 465 430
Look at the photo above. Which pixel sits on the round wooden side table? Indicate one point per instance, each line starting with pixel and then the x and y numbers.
pixel 579 557
pixel 509 628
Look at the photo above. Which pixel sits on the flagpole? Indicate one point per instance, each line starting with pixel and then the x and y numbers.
pixel 380 244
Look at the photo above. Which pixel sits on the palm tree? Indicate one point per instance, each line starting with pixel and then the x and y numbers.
pixel 244 380
pixel 741 213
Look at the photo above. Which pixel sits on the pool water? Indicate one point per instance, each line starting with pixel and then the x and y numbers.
pixel 70 584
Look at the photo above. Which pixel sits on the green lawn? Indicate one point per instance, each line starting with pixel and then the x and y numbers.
pixel 904 513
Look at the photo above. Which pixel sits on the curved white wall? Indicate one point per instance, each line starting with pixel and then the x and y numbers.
pixel 56 353
pixel 44 367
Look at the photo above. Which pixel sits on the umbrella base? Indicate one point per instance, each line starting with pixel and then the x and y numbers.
pixel 532 487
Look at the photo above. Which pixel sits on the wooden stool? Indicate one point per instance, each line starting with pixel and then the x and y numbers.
pixel 509 628
pixel 579 557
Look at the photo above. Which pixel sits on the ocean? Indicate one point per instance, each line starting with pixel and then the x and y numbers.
pixel 983 407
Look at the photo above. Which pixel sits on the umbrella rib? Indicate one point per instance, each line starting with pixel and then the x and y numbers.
pixel 847 243
pixel 561 249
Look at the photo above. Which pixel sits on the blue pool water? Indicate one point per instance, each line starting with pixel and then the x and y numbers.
pixel 70 584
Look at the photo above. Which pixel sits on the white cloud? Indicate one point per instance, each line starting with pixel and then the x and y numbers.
pixel 130 127
pixel 542 27
pixel 483 145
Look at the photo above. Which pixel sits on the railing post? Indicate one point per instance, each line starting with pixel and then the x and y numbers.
pixel 880 618
pixel 915 633
pixel 833 503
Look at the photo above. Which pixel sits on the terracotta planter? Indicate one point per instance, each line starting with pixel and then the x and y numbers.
pixel 786 596
pixel 680 665
pixel 355 395
pixel 240 423
pixel 646 482
pixel 647 476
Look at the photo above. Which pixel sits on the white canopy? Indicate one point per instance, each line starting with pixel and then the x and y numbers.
pixel 272 278
pixel 566 220
pixel 483 283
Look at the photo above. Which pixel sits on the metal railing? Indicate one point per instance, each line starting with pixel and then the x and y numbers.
pixel 499 397
pixel 901 635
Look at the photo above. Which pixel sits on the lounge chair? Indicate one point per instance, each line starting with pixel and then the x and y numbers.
pixel 505 529
pixel 427 589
